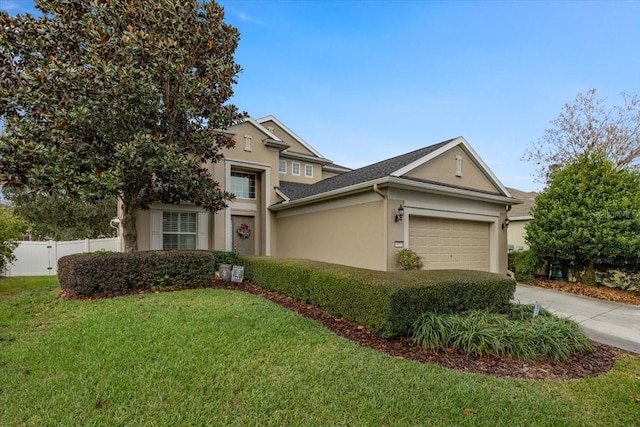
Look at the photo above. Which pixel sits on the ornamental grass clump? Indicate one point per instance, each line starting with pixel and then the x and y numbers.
pixel 485 333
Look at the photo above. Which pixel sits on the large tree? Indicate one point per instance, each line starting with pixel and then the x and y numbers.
pixel 59 217
pixel 589 125
pixel 589 217
pixel 118 98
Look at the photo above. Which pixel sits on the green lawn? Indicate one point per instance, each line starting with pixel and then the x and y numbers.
pixel 217 357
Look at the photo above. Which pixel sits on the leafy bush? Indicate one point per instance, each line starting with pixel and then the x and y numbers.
pixel 484 333
pixel 408 260
pixel 226 257
pixel 12 228
pixel 386 302
pixel 85 275
pixel 524 264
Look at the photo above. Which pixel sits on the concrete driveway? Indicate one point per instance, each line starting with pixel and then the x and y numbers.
pixel 607 322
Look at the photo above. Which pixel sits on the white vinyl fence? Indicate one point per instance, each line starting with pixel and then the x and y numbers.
pixel 41 258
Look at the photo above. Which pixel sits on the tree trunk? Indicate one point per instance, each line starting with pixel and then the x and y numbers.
pixel 129 231
pixel 589 275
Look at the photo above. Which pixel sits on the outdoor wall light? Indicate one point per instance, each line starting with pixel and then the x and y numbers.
pixel 400 214
pixel 506 222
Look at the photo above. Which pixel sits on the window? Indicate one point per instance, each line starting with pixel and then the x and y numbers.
pixel 308 171
pixel 247 143
pixel 295 168
pixel 243 185
pixel 458 166
pixel 179 230
pixel 282 166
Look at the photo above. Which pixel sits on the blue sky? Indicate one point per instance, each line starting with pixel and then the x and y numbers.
pixel 362 81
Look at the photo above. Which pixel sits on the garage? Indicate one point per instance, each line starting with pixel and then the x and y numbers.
pixel 444 243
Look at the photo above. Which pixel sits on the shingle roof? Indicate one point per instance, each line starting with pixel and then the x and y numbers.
pixel 368 173
pixel 528 199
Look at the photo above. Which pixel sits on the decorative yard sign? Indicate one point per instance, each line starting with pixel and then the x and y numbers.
pixel 237 274
pixel 225 272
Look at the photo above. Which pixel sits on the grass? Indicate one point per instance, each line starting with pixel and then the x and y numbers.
pixel 515 333
pixel 217 357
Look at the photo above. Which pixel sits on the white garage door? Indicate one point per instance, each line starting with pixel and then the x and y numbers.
pixel 449 243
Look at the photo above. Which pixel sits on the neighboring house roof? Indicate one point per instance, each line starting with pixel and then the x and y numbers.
pixel 390 170
pixel 522 211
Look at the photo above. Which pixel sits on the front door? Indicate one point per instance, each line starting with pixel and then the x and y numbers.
pixel 243 228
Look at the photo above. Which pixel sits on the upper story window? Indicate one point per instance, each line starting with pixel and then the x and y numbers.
pixel 247 143
pixel 243 185
pixel 282 166
pixel 179 230
pixel 308 171
pixel 295 168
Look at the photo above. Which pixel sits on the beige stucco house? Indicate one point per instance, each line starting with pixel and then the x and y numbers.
pixel 441 201
pixel 519 217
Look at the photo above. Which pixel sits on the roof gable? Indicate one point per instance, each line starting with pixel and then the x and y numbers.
pixel 290 137
pixel 398 170
pixel 492 183
pixel 248 120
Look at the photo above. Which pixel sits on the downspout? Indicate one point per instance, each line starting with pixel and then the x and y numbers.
pixel 385 227
pixel 377 190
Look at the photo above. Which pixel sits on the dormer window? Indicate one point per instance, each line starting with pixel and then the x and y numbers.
pixel 308 171
pixel 459 166
pixel 247 143
pixel 295 168
pixel 282 166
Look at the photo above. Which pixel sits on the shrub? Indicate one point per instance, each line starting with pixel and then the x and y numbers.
pixel 484 333
pixel 524 264
pixel 408 260
pixel 85 275
pixel 225 257
pixel 386 302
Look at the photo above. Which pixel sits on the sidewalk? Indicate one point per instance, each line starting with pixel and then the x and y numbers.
pixel 607 322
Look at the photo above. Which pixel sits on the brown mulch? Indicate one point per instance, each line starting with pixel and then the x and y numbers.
pixel 588 365
pixel 599 292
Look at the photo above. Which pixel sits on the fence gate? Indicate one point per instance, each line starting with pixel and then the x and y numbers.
pixel 41 258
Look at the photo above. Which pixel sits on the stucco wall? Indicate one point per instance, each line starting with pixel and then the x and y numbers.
pixel 351 235
pixel 443 169
pixel 516 233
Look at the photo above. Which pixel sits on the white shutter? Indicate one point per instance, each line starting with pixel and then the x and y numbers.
pixel 156 230
pixel 203 231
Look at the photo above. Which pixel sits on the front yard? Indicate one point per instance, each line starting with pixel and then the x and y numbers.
pixel 220 357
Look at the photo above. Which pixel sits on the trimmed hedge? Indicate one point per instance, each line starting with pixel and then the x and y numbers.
pixel 388 303
pixel 90 274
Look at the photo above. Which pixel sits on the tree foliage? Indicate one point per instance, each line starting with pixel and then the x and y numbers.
pixel 63 218
pixel 588 125
pixel 118 98
pixel 589 216
pixel 12 228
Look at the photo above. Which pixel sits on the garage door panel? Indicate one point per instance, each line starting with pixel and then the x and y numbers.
pixel 448 244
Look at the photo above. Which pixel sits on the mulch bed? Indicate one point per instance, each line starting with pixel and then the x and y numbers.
pixel 588 365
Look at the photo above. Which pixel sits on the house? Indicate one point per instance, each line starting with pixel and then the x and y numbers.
pixel 519 217
pixel 441 201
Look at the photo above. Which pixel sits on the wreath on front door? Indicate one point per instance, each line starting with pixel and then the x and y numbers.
pixel 244 231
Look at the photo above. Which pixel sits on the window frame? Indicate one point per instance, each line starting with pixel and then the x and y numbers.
pixel 293 168
pixel 251 190
pixel 281 169
pixel 306 169
pixel 179 231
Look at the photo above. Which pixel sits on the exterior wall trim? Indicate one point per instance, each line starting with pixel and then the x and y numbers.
pixel 290 132
pixel 266 168
pixel 402 183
